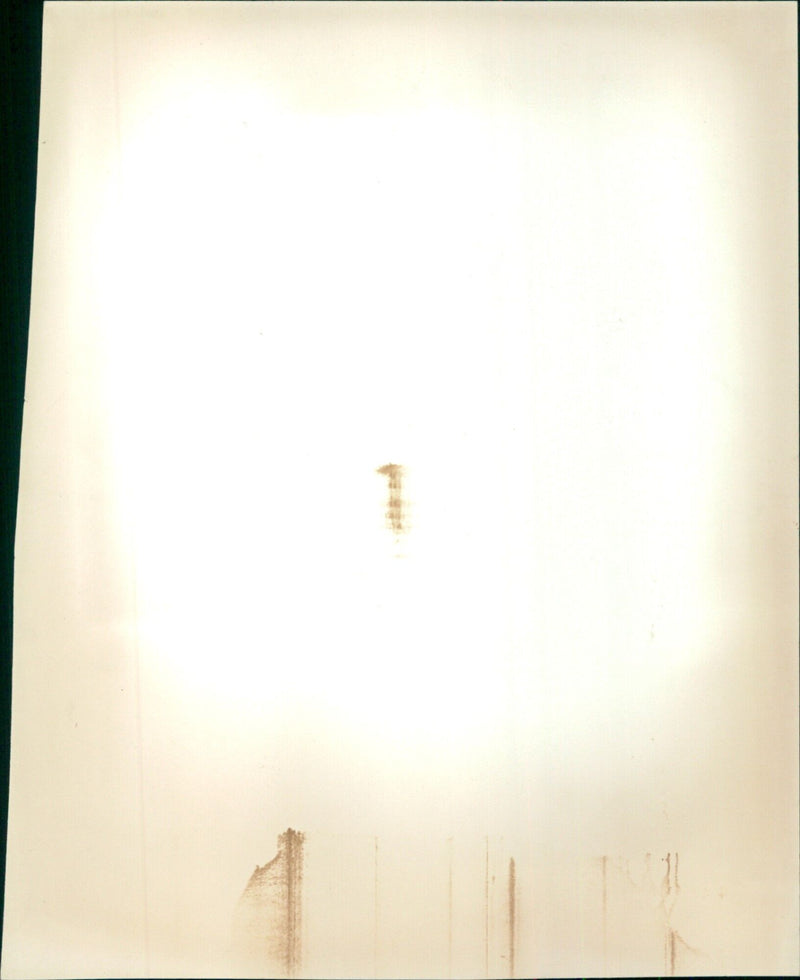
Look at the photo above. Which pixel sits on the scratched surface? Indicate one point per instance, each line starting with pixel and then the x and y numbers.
pixel 408 462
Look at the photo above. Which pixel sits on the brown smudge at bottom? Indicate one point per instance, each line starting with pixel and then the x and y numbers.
pixel 267 936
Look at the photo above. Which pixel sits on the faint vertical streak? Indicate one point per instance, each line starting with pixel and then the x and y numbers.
pixel 294 870
pixel 605 915
pixel 677 886
pixel 289 909
pixel 672 952
pixel 486 911
pixel 450 909
pixel 512 915
pixel 375 923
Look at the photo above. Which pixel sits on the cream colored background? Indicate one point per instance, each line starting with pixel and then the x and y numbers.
pixel 545 257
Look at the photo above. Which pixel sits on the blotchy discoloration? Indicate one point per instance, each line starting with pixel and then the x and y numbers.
pixel 267 922
pixel 395 507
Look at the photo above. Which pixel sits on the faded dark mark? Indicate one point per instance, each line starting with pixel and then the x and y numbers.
pixel 267 923
pixel 395 509
pixel 512 915
pixel 672 952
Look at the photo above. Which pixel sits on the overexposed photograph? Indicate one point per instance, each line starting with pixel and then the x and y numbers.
pixel 406 559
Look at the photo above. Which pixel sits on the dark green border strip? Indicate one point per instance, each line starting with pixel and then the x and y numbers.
pixel 20 75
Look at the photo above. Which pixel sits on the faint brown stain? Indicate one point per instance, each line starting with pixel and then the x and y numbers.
pixel 674 945
pixel 512 916
pixel 669 885
pixel 267 922
pixel 673 941
pixel 293 844
pixel 671 952
pixel 395 507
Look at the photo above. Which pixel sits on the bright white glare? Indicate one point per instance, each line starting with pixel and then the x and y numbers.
pixel 297 300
